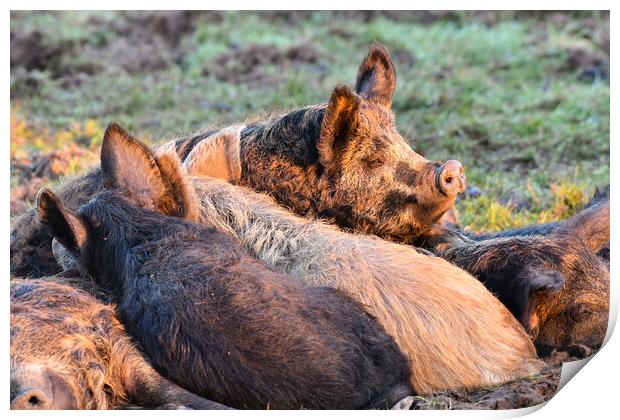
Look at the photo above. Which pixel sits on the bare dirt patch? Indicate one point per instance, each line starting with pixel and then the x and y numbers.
pixel 526 392
pixel 247 64
pixel 38 169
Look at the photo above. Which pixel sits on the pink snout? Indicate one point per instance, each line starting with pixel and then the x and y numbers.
pixel 450 178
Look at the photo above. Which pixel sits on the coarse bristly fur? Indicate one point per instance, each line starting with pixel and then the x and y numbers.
pixel 345 160
pixel 68 350
pixel 549 276
pixel 208 315
pixel 31 244
pixel 455 333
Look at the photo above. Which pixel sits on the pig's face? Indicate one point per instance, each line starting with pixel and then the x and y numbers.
pixel 56 359
pixel 373 181
pixel 578 314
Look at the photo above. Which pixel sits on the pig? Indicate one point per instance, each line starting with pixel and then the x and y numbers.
pixel 342 161
pixel 548 276
pixel 345 161
pixel 455 333
pixel 69 351
pixel 210 317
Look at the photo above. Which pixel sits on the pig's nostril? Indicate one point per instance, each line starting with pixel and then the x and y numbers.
pixel 33 399
pixel 450 178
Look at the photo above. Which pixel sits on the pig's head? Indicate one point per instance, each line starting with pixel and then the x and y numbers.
pixel 555 286
pixel 54 359
pixel 130 174
pixel 31 243
pixel 372 180
pixel 577 315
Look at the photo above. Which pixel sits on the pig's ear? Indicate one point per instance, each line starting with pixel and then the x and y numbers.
pixel 179 198
pixel 217 156
pixel 538 281
pixel 546 281
pixel 376 78
pixel 129 166
pixel 339 121
pixel 592 224
pixel 65 226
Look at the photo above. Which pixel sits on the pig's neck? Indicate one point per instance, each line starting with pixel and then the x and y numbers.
pixel 123 227
pixel 279 157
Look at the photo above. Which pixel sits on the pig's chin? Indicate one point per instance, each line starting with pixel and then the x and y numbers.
pixel 419 216
pixel 406 227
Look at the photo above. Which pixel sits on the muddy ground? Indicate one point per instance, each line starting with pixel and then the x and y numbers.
pixel 519 394
pixel 521 98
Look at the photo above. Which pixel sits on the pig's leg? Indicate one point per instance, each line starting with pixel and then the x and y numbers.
pixel 149 389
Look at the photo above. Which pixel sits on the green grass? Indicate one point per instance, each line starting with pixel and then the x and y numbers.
pixel 498 97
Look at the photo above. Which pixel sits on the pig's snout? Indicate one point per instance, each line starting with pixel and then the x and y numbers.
pixel 32 399
pixel 450 178
pixel 40 389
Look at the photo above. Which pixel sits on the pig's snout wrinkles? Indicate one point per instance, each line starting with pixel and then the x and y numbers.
pixel 450 178
pixel 32 399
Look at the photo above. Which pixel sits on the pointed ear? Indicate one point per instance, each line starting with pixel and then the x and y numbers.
pixel 179 198
pixel 65 226
pixel 129 166
pixel 339 121
pixel 376 78
pixel 591 225
pixel 217 156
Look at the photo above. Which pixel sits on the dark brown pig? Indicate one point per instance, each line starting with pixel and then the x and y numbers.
pixel 343 161
pixel 210 317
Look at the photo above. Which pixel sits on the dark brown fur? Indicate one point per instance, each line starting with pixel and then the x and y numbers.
pixel 68 350
pixel 31 244
pixel 554 284
pixel 346 161
pixel 210 317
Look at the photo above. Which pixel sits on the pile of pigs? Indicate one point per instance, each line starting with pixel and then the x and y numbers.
pixel 292 262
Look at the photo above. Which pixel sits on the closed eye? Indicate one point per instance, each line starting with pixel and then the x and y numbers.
pixel 412 199
pixel 580 313
pixel 374 163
